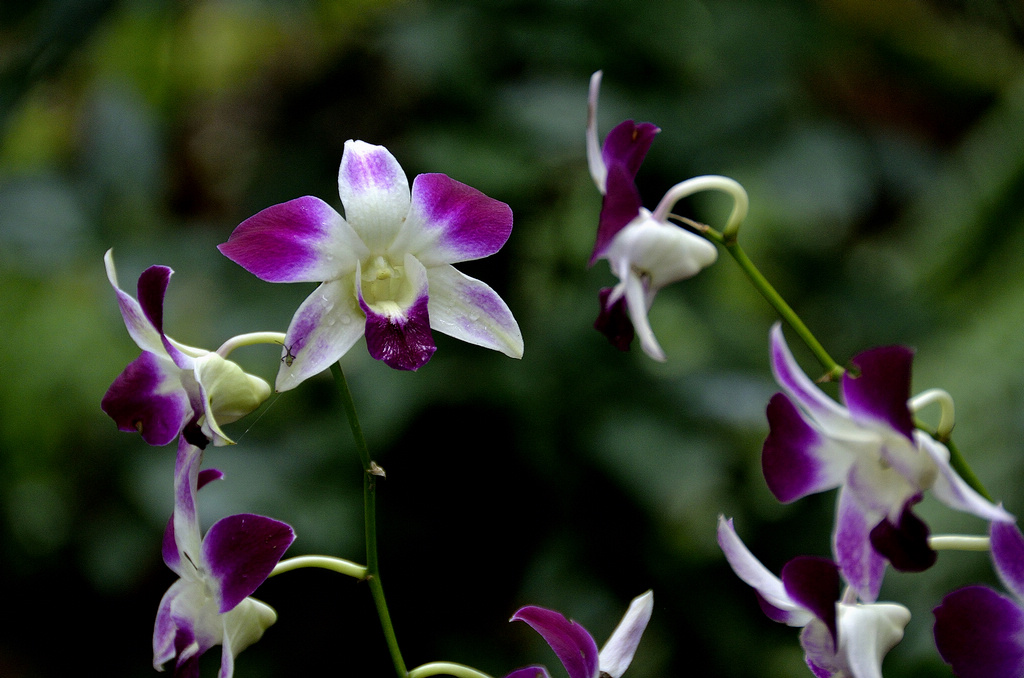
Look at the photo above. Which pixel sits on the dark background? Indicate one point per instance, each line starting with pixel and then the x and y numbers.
pixel 882 145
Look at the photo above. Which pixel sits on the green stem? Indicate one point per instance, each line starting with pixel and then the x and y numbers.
pixel 957 542
pixel 960 465
pixel 732 246
pixel 339 565
pixel 370 474
pixel 446 669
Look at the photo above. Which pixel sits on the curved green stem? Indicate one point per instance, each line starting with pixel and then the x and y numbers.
pixel 446 669
pixel 339 565
pixel 250 339
pixel 370 474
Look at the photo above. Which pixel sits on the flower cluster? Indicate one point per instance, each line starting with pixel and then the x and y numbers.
pixel 385 272
pixel 867 446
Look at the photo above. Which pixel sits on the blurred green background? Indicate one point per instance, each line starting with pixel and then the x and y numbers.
pixel 882 144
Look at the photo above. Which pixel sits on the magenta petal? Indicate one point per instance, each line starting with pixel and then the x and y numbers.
pixel 627 145
pixel 790 467
pixel 1008 555
pixel 241 551
pixel 980 633
pixel 623 152
pixel 619 206
pixel 451 222
pixel 152 289
pixel 883 387
pixel 572 644
pixel 905 544
pixel 148 397
pixel 814 584
pixel 404 343
pixel 613 321
pixel 291 242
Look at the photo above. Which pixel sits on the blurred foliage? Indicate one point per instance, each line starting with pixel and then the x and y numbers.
pixel 882 147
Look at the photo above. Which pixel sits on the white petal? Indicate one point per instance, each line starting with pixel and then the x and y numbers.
pixel 375 193
pixel 618 651
pixel 595 161
pixel 867 633
pixel 243 626
pixel 750 570
pixel 468 309
pixel 664 253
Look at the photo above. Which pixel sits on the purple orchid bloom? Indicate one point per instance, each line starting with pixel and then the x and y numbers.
pixel 644 250
pixel 576 648
pixel 210 604
pixel 981 632
pixel 385 267
pixel 869 448
pixel 173 388
pixel 840 638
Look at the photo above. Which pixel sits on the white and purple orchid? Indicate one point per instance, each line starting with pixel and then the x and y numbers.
pixel 576 648
pixel 981 632
pixel 867 446
pixel 173 388
pixel 841 638
pixel 644 250
pixel 210 604
pixel 385 267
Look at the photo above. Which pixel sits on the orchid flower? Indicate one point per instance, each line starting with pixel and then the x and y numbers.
pixel 576 648
pixel 644 250
pixel 981 632
pixel 173 388
pixel 867 446
pixel 840 638
pixel 385 267
pixel 210 604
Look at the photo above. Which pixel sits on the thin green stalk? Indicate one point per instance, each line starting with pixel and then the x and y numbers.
pixel 370 474
pixel 339 565
pixel 732 246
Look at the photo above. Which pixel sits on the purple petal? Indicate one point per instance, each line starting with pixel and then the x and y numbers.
pixel 572 644
pixel 814 584
pixel 322 330
pixel 881 391
pixel 398 329
pixel 624 151
pixel 404 343
pixel 819 645
pixel 1008 555
pixel 375 193
pixel 451 222
pixel 302 240
pixel 467 309
pixel 627 144
pixel 619 206
pixel 904 544
pixel 980 633
pixel 152 290
pixel 789 461
pixel 169 549
pixel 862 567
pixel 241 551
pixel 530 672
pixel 148 397
pixel 613 321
